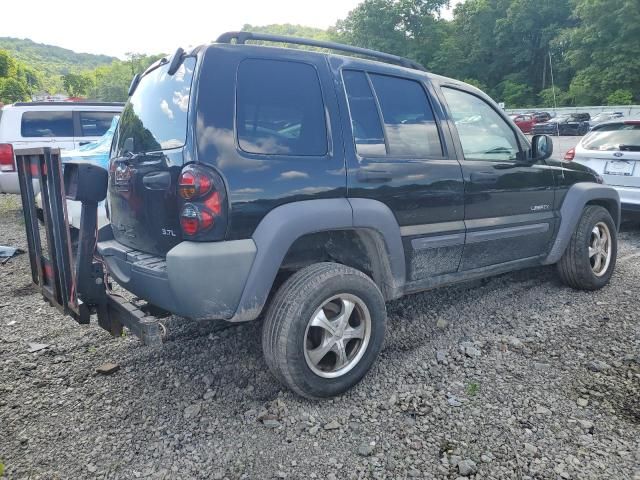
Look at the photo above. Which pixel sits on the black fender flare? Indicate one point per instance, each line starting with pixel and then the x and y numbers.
pixel 283 225
pixel 576 198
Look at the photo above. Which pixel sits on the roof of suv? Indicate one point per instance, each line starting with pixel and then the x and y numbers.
pixel 68 104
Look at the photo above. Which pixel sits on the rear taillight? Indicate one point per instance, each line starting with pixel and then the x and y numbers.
pixel 193 183
pixel 203 215
pixel 570 155
pixel 7 163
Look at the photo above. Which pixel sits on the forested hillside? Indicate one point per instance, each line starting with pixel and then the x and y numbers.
pixel 50 62
pixel 512 49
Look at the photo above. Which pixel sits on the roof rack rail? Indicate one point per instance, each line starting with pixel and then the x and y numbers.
pixel 242 37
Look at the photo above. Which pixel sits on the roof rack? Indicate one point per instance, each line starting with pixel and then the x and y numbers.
pixel 242 37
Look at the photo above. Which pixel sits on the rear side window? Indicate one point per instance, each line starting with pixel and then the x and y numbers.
pixel 47 124
pixel 365 122
pixel 615 136
pixel 280 109
pixel 397 120
pixel 95 124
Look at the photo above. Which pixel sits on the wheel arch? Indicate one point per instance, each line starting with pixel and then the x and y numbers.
pixel 289 228
pixel 577 198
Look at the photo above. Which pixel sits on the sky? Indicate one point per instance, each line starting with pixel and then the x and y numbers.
pixel 114 27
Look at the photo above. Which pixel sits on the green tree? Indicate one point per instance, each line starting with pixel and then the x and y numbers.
pixel 13 90
pixel 620 97
pixel 76 84
pixel 409 28
pixel 515 94
pixel 604 49
pixel 7 65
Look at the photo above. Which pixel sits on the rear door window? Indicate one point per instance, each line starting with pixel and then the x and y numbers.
pixel 279 109
pixel 394 119
pixel 95 124
pixel 47 124
pixel 408 118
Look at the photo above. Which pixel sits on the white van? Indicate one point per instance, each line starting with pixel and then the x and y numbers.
pixel 64 125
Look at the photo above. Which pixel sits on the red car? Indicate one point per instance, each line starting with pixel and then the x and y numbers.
pixel 524 122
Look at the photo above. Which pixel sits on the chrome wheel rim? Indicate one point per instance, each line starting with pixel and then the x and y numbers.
pixel 600 249
pixel 337 336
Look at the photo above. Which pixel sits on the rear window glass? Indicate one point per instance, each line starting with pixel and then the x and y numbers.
pixel 614 137
pixel 280 109
pixel 47 124
pixel 95 124
pixel 155 117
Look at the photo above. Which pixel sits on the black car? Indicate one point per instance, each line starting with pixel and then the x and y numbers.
pixel 572 124
pixel 308 189
pixel 539 117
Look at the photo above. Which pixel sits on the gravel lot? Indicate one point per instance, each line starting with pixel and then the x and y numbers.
pixel 513 377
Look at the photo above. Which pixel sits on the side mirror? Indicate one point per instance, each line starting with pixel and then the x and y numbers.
pixel 541 147
pixel 85 182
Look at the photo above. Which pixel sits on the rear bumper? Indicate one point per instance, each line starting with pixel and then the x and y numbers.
pixel 9 182
pixel 629 198
pixel 199 280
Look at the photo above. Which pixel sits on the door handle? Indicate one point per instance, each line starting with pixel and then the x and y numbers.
pixel 157 181
pixel 484 177
pixel 83 143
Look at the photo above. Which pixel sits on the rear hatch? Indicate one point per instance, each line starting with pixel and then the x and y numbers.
pixel 613 150
pixel 147 154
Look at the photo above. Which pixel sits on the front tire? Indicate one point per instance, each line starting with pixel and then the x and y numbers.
pixel 590 258
pixel 324 329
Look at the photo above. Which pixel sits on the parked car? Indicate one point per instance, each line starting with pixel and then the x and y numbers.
pixel 96 153
pixel 573 124
pixel 612 149
pixel 604 117
pixel 524 122
pixel 310 188
pixel 64 125
pixel 539 117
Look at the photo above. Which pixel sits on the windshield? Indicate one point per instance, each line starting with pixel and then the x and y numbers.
pixel 155 117
pixel 613 136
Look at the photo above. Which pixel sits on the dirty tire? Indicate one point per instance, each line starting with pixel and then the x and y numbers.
pixel 574 267
pixel 284 334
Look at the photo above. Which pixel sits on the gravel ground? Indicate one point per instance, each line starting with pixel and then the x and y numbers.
pixel 514 377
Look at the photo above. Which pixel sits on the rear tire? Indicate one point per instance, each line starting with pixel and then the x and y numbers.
pixel 324 329
pixel 590 258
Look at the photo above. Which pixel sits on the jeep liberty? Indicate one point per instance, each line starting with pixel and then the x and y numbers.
pixel 308 189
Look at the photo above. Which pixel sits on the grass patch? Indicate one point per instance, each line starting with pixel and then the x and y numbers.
pixel 473 389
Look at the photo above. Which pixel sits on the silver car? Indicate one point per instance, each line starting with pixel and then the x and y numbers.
pixel 612 149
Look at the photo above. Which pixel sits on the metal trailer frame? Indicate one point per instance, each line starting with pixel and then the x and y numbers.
pixel 75 283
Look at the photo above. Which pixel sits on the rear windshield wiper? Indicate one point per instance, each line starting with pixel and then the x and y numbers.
pixel 629 148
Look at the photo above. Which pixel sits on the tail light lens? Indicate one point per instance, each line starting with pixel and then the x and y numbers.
pixel 6 158
pixel 570 155
pixel 203 214
pixel 193 183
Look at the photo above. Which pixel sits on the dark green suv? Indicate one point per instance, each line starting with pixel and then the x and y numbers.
pixel 308 189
